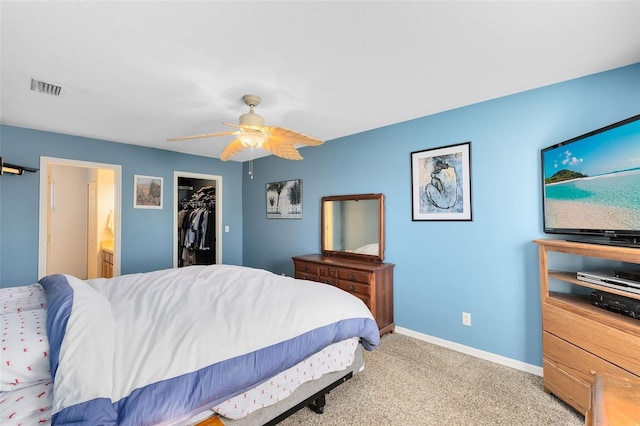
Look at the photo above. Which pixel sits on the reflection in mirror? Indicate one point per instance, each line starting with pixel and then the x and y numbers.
pixel 353 225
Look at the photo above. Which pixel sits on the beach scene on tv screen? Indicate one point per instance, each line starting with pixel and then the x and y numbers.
pixel 594 183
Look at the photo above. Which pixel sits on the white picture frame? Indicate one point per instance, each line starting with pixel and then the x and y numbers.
pixel 147 192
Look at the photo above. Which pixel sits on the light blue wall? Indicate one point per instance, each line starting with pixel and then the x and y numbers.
pixel 147 235
pixel 487 267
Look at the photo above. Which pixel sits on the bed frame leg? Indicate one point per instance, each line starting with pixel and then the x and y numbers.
pixel 318 405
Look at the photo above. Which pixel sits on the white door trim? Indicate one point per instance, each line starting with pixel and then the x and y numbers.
pixel 42 222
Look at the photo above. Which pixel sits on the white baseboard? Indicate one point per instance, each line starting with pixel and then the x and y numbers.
pixel 498 359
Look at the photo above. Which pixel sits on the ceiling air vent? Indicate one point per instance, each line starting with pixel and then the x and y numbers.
pixel 47 88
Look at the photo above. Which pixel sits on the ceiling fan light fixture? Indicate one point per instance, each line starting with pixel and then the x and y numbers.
pixel 252 138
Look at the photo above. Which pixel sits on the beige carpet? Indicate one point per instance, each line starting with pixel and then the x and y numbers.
pixel 410 382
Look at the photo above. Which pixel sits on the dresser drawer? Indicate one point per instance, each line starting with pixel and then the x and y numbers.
pixel 566 387
pixel 306 267
pixel 596 337
pixel 353 287
pixel 577 362
pixel 326 271
pixel 306 276
pixel 328 280
pixel 353 275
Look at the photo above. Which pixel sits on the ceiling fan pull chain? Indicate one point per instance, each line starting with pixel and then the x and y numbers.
pixel 251 163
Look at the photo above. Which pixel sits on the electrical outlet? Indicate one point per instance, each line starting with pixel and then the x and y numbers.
pixel 466 319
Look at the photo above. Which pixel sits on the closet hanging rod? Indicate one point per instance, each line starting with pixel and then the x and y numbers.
pixel 14 168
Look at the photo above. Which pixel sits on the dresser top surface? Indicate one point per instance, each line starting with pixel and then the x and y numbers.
pixel 344 262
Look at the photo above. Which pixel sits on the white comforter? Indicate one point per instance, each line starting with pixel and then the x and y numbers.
pixel 149 348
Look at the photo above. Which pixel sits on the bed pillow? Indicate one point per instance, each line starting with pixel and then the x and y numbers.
pixel 23 298
pixel 25 349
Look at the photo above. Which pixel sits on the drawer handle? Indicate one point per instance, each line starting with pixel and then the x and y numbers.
pixel 304 276
pixel 352 276
pixel 592 372
pixel 327 281
pixel 305 268
pixel 352 287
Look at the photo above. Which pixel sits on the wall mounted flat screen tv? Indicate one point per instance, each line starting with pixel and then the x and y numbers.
pixel 591 185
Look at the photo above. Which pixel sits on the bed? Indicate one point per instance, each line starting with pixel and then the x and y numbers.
pixel 231 344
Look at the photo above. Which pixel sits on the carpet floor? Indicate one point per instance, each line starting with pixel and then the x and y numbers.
pixel 407 381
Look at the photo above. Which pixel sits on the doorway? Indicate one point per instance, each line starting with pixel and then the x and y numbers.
pixel 79 216
pixel 193 191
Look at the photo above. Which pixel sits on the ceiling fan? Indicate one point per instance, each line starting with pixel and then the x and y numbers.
pixel 252 133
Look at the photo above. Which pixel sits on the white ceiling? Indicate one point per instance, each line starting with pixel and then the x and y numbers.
pixel 140 72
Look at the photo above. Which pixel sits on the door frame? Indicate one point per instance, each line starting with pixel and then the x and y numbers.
pixel 43 230
pixel 218 180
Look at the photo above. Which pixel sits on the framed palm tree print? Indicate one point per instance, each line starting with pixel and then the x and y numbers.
pixel 284 199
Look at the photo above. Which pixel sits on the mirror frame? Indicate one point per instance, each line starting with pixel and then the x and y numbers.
pixel 355 197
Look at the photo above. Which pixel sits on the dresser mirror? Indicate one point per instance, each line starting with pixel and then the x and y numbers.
pixel 353 226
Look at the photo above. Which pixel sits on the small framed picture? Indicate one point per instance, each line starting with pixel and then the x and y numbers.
pixel 284 199
pixel 147 192
pixel 441 183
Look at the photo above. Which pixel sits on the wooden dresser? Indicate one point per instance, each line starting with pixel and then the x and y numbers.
pixel 579 340
pixel 370 281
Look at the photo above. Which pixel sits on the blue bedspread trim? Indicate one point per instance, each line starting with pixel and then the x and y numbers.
pixel 59 302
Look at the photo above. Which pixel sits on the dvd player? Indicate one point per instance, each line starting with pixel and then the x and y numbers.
pixel 608 279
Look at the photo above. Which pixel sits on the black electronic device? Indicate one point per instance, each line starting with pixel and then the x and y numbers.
pixel 615 303
pixel 590 184
pixel 628 275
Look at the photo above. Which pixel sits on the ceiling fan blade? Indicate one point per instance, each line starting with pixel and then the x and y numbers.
pixel 282 149
pixel 207 135
pixel 282 134
pixel 232 149
pixel 226 123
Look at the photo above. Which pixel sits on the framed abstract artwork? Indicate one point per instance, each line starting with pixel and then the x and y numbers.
pixel 441 183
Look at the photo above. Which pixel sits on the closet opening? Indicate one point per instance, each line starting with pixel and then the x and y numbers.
pixel 197 219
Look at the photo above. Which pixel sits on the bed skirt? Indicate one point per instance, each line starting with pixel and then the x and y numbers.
pixel 298 399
